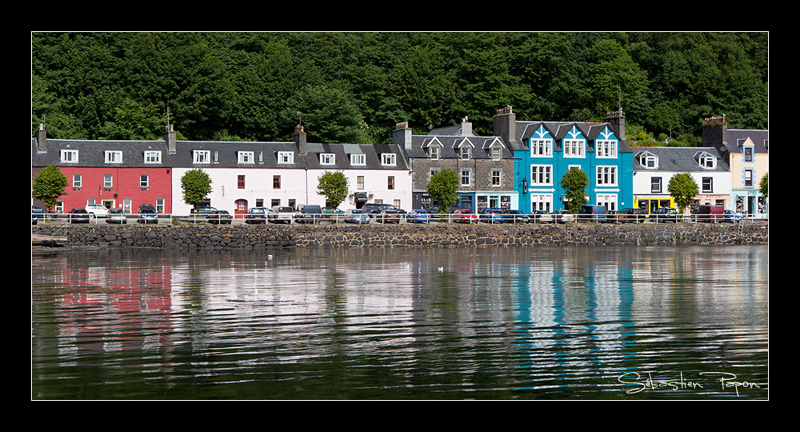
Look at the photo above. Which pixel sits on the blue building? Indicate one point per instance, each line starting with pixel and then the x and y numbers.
pixel 544 151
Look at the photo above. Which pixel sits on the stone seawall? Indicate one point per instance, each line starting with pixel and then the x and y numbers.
pixel 189 237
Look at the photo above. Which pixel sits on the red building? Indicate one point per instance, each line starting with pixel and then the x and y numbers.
pixel 116 174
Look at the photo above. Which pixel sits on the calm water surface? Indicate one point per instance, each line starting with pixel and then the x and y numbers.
pixel 545 323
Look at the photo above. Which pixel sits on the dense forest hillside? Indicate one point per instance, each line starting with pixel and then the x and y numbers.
pixel 354 87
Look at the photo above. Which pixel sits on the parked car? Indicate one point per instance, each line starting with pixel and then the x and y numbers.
pixel 97 210
pixel 665 214
pixel 373 209
pixel 709 213
pixel 358 216
pixel 219 217
pixel 732 216
pixel 203 210
pixel 147 214
pixel 418 215
pixel 491 215
pixel 563 216
pixel 332 214
pixel 116 215
pixel 78 215
pixel 595 213
pixel 514 216
pixel 255 215
pixel 309 213
pixel 38 213
pixel 281 214
pixel 540 216
pixel 464 216
pixel 635 215
pixel 390 215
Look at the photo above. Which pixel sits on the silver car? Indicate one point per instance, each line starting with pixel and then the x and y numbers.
pixel 358 216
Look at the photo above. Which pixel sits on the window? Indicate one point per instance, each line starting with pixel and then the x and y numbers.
pixel 358 159
pixel 285 157
pixel 69 156
pixel 327 159
pixel 240 181
pixel 541 202
pixel 465 152
pixel 144 182
pixel 434 152
pixel 360 182
pixel 606 148
pixel 276 182
pixel 152 157
pixel 275 202
pixel 113 156
pixel 390 183
pixel 540 175
pixel 655 185
pixel 389 159
pixel 748 154
pixel 574 148
pixel 496 178
pixel 465 177
pixel 608 200
pixel 246 157
pixel 433 172
pixel 497 153
pixel 606 176
pixel 108 181
pixel 708 184
pixel 397 203
pixel 77 181
pixel 201 156
pixel 541 147
pixel 160 205
pixel 748 178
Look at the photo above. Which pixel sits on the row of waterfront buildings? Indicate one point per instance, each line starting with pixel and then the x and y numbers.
pixel 519 167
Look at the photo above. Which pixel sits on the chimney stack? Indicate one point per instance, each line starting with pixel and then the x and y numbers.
pixel 466 127
pixel 505 124
pixel 617 121
pixel 401 135
pixel 300 139
pixel 41 139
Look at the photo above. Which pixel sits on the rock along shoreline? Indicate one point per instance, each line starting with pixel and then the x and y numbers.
pixel 274 236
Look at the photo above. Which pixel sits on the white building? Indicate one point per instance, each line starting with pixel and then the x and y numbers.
pixel 653 167
pixel 266 174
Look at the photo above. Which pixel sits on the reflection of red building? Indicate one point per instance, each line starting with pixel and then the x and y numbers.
pixel 117 174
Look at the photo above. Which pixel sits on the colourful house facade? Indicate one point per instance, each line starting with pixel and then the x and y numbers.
pixel 545 151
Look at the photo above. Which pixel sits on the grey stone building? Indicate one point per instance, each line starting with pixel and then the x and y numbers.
pixel 484 165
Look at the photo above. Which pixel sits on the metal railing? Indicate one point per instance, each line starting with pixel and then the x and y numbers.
pixel 401 218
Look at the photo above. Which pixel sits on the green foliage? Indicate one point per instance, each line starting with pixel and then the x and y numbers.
pixel 49 185
pixel 443 188
pixel 196 186
pixel 763 185
pixel 575 182
pixel 683 188
pixel 333 185
pixel 354 87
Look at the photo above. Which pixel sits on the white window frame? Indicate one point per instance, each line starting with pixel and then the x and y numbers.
pixel 606 175
pixel 707 184
pixel 77 181
pixel 434 152
pixel 541 202
pixel 608 200
pixel 246 157
pixel 388 159
pixel 606 149
pixel 465 174
pixel 465 151
pixel 541 147
pixel 574 148
pixel 113 156
pixel 327 159
pixel 285 157
pixel 496 178
pixel 152 157
pixel 144 181
pixel 108 181
pixel 358 159
pixel 656 184
pixel 69 156
pixel 541 175
pixel 201 156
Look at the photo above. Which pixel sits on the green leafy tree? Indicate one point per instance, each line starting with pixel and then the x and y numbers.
pixel 683 188
pixel 443 188
pixel 48 185
pixel 333 185
pixel 196 186
pixel 575 182
pixel 763 185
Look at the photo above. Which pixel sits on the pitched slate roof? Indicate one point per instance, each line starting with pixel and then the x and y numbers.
pixel 91 153
pixel 759 137
pixel 679 159
pixel 559 130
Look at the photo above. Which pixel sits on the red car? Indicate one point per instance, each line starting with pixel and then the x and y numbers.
pixel 465 216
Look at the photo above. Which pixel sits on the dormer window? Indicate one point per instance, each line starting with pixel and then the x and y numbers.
pixel 434 153
pixel 605 148
pixel 497 153
pixel 465 152
pixel 647 160
pixel 327 159
pixel 69 156
pixel 358 159
pixel 285 157
pixel 574 148
pixel 246 157
pixel 152 157
pixel 706 160
pixel 201 156
pixel 113 156
pixel 389 159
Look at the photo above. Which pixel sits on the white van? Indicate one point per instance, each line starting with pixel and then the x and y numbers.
pixel 281 214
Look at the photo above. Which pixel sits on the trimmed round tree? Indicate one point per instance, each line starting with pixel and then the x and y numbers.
pixel 683 189
pixel 575 182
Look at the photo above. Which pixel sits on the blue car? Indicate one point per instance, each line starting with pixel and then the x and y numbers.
pixel 418 215
pixel 491 215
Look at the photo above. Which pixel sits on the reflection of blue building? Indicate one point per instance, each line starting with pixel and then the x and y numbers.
pixel 544 151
